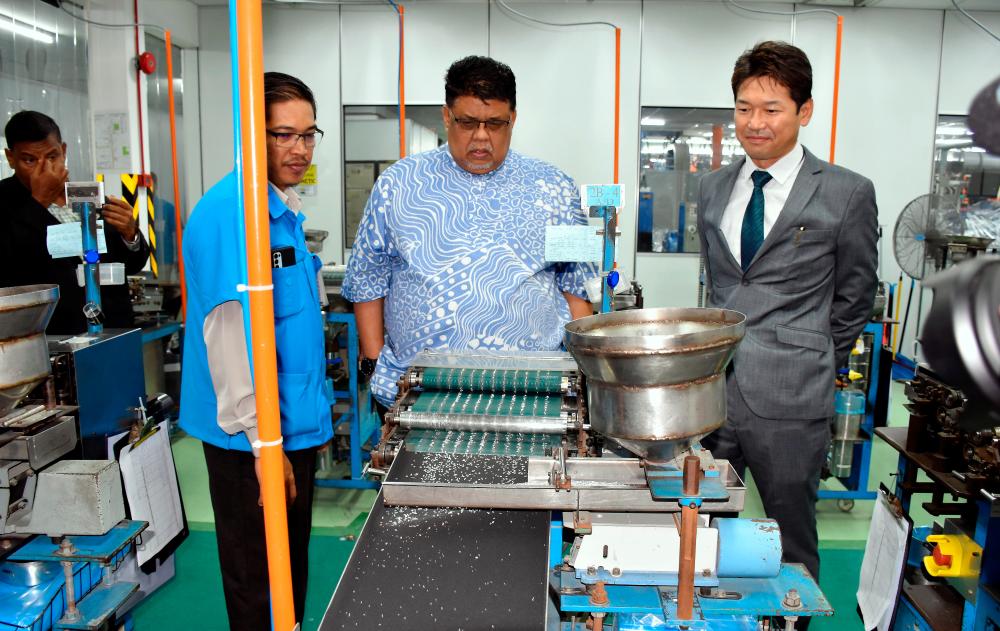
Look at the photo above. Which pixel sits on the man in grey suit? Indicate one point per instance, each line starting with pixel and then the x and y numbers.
pixel 790 241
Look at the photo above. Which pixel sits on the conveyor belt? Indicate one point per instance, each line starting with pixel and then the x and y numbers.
pixel 481 443
pixel 430 568
pixel 492 380
pixel 482 403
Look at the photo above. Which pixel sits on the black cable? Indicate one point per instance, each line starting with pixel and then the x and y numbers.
pixel 62 6
pixel 510 9
pixel 975 21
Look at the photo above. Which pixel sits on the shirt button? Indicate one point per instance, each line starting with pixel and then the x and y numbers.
pixel 746 283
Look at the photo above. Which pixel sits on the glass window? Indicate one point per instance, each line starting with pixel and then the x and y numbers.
pixel 43 67
pixel 371 144
pixel 676 147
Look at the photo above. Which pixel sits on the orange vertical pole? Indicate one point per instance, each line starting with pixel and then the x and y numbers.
pixel 261 298
pixel 618 94
pixel 402 85
pixel 177 179
pixel 836 88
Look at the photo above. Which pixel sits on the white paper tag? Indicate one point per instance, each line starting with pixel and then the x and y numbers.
pixel 565 244
pixel 65 240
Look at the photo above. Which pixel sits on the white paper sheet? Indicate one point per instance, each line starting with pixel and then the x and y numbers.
pixel 565 244
pixel 65 239
pixel 885 557
pixel 151 488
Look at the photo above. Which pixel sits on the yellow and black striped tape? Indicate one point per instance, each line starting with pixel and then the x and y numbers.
pixel 130 191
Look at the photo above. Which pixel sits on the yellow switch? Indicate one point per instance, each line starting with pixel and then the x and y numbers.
pixel 954 556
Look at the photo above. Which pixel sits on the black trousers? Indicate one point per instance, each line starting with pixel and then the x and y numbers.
pixel 786 459
pixel 239 528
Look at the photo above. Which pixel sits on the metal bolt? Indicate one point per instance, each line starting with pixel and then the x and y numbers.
pixel 792 599
pixel 616 571
pixel 592 571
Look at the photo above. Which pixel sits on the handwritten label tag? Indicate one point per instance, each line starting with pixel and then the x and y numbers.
pixel 573 244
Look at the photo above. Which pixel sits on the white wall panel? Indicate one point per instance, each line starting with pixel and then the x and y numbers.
pixel 970 59
pixel 689 48
pixel 437 34
pixel 180 16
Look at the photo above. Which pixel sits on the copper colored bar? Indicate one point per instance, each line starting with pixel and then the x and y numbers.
pixel 692 475
pixel 685 572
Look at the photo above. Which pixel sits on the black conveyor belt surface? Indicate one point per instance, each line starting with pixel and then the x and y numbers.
pixel 431 468
pixel 433 568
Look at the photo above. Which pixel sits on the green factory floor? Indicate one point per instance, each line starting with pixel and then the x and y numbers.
pixel 193 599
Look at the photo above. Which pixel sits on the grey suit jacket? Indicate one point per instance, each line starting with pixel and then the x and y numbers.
pixel 808 291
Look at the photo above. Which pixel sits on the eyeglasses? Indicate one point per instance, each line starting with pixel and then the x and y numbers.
pixel 472 124
pixel 287 139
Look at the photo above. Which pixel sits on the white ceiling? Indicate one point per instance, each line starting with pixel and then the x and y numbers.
pixel 969 5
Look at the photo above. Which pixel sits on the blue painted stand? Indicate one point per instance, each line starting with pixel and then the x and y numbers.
pixel 97 605
pixel 856 484
pixel 983 612
pixel 362 429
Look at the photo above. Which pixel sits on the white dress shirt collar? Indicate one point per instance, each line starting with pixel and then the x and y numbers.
pixel 289 198
pixel 784 168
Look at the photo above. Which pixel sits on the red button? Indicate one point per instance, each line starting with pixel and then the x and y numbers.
pixel 941 559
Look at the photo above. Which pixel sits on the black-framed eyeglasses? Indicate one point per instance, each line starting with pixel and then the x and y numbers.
pixel 472 124
pixel 288 139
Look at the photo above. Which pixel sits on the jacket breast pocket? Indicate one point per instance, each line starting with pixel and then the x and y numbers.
pixel 288 295
pixel 813 255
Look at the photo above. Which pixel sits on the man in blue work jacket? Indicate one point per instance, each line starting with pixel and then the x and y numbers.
pixel 217 393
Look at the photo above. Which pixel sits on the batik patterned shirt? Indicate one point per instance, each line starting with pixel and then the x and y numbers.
pixel 460 259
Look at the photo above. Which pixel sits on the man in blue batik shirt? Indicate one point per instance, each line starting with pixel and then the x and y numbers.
pixel 450 253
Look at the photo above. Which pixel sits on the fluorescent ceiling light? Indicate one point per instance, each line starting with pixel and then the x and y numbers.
pixel 957 130
pixel 651 121
pixel 28 31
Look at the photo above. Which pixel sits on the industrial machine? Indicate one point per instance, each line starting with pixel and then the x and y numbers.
pixel 553 491
pixel 950 451
pixel 64 578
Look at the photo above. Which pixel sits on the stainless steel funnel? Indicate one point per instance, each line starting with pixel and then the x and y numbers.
pixel 656 377
pixel 24 355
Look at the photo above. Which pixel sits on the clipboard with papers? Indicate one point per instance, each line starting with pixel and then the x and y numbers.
pixel 884 562
pixel 152 492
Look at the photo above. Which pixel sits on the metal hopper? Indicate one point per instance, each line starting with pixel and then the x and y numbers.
pixel 24 355
pixel 656 377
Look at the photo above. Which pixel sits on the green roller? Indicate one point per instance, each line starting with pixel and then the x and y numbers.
pixel 487 404
pixel 493 380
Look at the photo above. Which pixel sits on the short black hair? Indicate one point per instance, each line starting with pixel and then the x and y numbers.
pixel 30 126
pixel 481 77
pixel 787 65
pixel 280 87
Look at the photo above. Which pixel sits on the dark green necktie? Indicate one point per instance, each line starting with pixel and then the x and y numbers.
pixel 752 235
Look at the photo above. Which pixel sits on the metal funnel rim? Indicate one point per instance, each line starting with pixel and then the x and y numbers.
pixel 580 334
pixel 12 298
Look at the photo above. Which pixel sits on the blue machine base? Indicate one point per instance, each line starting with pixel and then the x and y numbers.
pixel 759 597
pixel 666 483
pixel 98 548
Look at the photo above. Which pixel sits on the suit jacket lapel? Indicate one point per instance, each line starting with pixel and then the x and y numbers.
pixel 717 206
pixel 802 191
